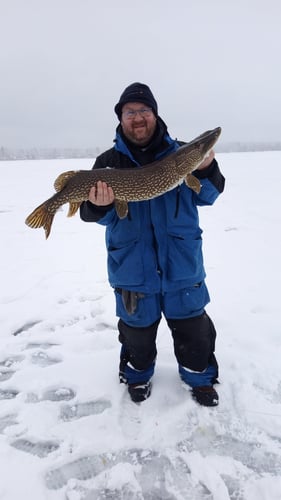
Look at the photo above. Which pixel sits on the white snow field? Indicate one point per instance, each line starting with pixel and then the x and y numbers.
pixel 68 430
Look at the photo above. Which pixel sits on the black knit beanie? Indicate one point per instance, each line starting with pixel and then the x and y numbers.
pixel 136 92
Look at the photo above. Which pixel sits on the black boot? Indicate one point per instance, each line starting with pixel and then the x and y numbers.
pixel 205 395
pixel 139 392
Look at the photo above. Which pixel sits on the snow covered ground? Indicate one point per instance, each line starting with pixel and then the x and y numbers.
pixel 67 427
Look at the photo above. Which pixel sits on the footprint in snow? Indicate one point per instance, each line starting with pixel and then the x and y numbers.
pixel 38 345
pixel 8 393
pixel 83 468
pixel 251 454
pixel 11 361
pixel 129 419
pixel 7 421
pixel 40 449
pixel 42 359
pixel 79 410
pixel 149 472
pixel 25 327
pixel 58 394
pixel 6 375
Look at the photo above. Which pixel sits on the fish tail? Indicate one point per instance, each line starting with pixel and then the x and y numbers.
pixel 41 217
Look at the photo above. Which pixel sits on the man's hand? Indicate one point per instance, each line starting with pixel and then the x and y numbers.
pixel 101 195
pixel 208 160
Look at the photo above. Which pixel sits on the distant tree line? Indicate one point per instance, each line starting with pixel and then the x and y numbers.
pixel 67 153
pixel 232 147
pixel 47 153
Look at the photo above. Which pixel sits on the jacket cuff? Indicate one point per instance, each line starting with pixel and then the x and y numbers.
pixel 213 174
pixel 206 172
pixel 93 213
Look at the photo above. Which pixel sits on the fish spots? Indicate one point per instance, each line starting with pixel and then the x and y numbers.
pixel 138 184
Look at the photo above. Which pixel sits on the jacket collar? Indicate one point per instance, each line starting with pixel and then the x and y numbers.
pixel 160 145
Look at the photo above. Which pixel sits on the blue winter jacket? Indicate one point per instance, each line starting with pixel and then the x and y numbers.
pixel 158 246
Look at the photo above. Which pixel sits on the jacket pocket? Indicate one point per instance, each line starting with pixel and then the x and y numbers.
pixel 125 265
pixel 185 261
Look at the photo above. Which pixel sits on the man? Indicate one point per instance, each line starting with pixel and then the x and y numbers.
pixel 155 262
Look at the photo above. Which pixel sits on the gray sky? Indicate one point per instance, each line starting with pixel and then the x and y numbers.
pixel 64 64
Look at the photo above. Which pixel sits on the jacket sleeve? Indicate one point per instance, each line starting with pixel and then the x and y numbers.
pixel 212 183
pixel 93 213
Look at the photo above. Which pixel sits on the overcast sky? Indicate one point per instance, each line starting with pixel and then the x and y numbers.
pixel 64 64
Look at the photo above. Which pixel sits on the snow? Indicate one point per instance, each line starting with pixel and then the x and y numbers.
pixel 68 429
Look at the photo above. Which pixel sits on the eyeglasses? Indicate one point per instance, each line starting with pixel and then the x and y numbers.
pixel 131 113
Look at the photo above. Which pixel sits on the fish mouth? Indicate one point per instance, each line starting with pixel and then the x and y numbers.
pixel 209 134
pixel 208 139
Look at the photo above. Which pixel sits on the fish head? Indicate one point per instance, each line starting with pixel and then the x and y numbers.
pixel 194 152
pixel 207 140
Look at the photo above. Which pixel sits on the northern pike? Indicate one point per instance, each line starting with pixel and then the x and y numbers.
pixel 130 184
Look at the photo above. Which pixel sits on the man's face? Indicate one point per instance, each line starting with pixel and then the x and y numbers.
pixel 138 122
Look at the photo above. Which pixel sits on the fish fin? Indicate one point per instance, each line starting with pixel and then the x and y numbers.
pixel 40 217
pixel 73 207
pixel 121 208
pixel 63 179
pixel 193 183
